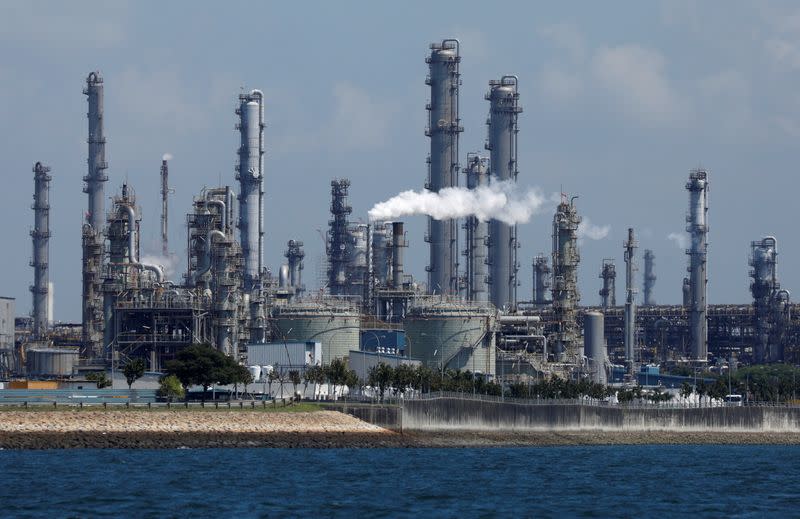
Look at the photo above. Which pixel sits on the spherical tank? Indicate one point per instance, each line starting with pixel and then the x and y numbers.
pixel 336 328
pixel 452 336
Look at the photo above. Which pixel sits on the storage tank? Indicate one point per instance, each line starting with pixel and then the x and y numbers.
pixel 452 336
pixel 255 371
pixel 335 325
pixel 51 362
pixel 594 345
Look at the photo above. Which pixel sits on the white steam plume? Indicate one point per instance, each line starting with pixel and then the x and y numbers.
pixel 680 239
pixel 166 156
pixel 503 201
pixel 586 229
pixel 167 263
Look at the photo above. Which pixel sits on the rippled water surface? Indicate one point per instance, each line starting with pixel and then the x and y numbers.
pixel 629 481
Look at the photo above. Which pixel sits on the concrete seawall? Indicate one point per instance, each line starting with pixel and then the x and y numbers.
pixel 442 414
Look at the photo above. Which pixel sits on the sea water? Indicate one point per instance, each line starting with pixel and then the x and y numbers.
pixel 596 481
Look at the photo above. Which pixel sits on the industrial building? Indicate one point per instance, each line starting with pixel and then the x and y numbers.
pixel 463 316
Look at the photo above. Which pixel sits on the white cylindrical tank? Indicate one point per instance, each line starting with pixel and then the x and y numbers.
pixel 452 336
pixel 255 371
pixel 594 345
pixel 337 328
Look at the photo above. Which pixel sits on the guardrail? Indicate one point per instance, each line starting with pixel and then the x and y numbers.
pixel 250 404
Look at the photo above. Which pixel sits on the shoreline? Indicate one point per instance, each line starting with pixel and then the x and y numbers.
pixel 316 440
pixel 165 429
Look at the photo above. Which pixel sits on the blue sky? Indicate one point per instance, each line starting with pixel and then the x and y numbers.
pixel 621 100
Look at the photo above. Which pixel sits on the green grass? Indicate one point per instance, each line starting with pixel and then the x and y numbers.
pixel 301 407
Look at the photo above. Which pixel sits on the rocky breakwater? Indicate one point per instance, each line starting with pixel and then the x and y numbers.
pixel 185 428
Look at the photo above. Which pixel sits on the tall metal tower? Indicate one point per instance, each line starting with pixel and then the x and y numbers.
pixel 697 227
pixel 41 249
pixel 93 228
pixel 630 301
pixel 294 257
pixel 443 128
pixel 338 237
pixel 608 294
pixel 504 109
pixel 764 287
pixel 649 277
pixel 565 278
pixel 476 233
pixel 165 191
pixel 96 176
pixel 542 280
pixel 250 174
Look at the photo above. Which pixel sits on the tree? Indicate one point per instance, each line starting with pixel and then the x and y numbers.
pixel 170 388
pixel 315 375
pixel 336 373
pixel 133 370
pixel 381 376
pixel 351 380
pixel 272 377
pixel 686 390
pixel 403 378
pixel 294 378
pixel 238 374
pixel 201 365
pixel 99 378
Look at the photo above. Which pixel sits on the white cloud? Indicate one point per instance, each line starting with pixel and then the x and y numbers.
pixel 559 84
pixel 586 229
pixel 680 239
pixel 635 76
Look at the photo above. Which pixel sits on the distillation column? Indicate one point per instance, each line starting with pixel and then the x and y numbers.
pixel 398 244
pixel 41 249
pixel 476 233
pixel 294 258
pixel 504 110
pixel 443 129
pixel 630 301
pixel 250 174
pixel 93 227
pixel 339 238
pixel 697 227
pixel 649 277
pixel 565 279
pixel 164 208
pixel 763 260
pixel 608 294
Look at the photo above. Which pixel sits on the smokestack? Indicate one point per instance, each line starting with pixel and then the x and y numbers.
pixel 41 249
pixel 608 294
pixel 443 129
pixel 630 301
pixel 398 243
pixel 649 277
pixel 164 208
pixel 476 233
pixel 504 109
pixel 697 227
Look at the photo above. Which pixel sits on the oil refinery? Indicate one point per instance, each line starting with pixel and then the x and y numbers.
pixel 467 314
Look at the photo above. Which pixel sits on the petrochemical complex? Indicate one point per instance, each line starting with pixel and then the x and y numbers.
pixel 467 315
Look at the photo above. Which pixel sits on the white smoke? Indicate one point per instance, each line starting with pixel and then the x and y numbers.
pixel 166 156
pixel 168 264
pixel 680 239
pixel 503 201
pixel 586 229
